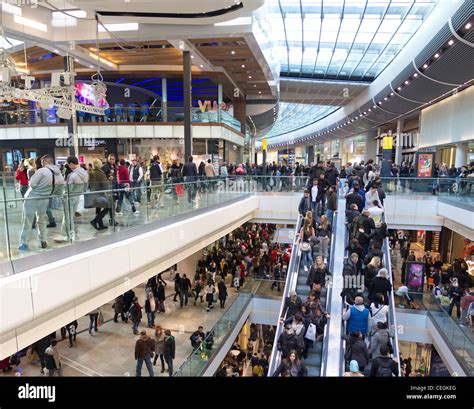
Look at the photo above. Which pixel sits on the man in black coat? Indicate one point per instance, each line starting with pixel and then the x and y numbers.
pixel 383 365
pixel 190 174
pixel 305 203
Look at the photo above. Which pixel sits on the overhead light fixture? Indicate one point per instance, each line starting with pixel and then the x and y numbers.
pixel 192 56
pixel 370 109
pixel 391 93
pixel 436 55
pixel 119 27
pixel 255 85
pixel 407 82
pixel 425 66
pixel 380 102
pixel 365 112
pixel 202 66
pixel 243 65
pixel 70 14
pixel 375 106
pixel 250 77
pixel 232 52
pixel 468 26
pixel 56 51
pixel 399 88
pixel 103 61
pixel 385 98
pixel 30 23
pixel 259 92
pixel 415 74
pixel 75 59
pixel 451 42
pixel 91 66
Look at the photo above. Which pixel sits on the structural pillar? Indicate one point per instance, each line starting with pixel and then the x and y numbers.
pixel 461 154
pixel 310 152
pixel 399 145
pixel 371 145
pixel 219 102
pixel 188 138
pixel 240 112
pixel 73 138
pixel 164 99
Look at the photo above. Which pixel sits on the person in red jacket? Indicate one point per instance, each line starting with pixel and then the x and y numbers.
pixel 21 176
pixel 124 183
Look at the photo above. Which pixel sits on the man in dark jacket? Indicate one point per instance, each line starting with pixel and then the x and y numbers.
pixel 40 348
pixel 287 341
pixel 184 288
pixel 332 174
pixel 323 187
pixel 362 230
pixel 144 349
pixel 197 337
pixel 293 305
pixel 305 203
pixel 331 203
pixel 357 350
pixel 119 308
pixel 355 198
pixel 383 365
pixel 156 181
pixel 135 313
pixel 190 174
pixel 380 285
pixel 169 351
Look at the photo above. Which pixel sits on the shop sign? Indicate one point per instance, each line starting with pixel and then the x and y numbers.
pixel 211 106
pixel 425 165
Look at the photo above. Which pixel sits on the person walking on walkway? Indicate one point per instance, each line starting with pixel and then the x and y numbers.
pixel 169 351
pixel 159 347
pixel 144 349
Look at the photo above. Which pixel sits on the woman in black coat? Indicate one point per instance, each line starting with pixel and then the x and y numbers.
pixel 291 366
pixel 222 292
pixel 357 350
pixel 380 284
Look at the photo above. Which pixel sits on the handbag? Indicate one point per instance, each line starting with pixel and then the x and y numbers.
pixel 305 247
pixel 311 332
pixel 179 190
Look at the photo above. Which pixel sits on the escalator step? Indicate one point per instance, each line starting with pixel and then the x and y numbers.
pixel 302 290
pixel 313 359
pixel 313 370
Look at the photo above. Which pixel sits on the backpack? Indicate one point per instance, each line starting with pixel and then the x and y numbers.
pixel 258 370
pixel 384 371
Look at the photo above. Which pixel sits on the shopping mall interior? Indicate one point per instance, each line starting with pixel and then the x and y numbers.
pixel 236 188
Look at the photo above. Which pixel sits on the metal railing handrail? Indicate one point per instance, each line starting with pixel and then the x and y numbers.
pixel 289 286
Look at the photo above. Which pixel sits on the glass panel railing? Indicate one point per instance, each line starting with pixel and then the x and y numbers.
pixel 456 333
pixel 457 188
pixel 199 359
pixel 101 210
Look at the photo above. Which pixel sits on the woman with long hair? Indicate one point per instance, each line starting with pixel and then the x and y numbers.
pixel 292 365
pixel 306 232
pixel 159 346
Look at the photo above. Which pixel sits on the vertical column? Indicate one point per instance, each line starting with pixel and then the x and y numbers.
pixel 188 139
pixel 264 157
pixel 310 152
pixel 461 154
pixel 399 145
pixel 73 140
pixel 371 145
pixel 164 99
pixel 240 112
pixel 219 102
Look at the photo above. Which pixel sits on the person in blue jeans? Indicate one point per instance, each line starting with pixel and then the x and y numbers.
pixel 169 351
pixel 306 232
pixel 144 350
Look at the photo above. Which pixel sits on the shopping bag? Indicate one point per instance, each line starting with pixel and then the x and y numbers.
pixel 179 190
pixel 311 332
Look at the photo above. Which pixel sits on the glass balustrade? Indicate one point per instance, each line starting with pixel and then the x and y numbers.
pixel 457 332
pixel 103 210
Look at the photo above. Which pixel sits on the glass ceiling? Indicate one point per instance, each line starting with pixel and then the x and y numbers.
pixel 343 39
pixel 293 116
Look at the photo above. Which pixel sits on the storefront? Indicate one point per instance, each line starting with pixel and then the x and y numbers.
pixel 353 149
pixel 13 151
pixel 425 360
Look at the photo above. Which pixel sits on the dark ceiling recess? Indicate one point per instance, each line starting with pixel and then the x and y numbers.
pixel 206 14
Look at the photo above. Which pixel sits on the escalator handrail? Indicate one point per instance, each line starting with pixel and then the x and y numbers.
pixel 324 351
pixel 391 305
pixel 290 285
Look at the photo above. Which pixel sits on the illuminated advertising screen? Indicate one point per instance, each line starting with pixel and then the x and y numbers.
pixel 425 165
pixel 415 276
pixel 85 95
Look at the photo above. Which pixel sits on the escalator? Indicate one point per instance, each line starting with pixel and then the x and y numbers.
pixel 296 281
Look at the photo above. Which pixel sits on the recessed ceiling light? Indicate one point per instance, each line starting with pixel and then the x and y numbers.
pixel 385 98
pixel 243 65
pixel 370 109
pixel 407 82
pixel 415 74
pixel 56 51
pixel 436 55
pixel 192 56
pixel 202 66
pixel 232 52
pixel 375 106
pixel 259 92
pixel 75 59
pixel 250 77
pixel 425 66
pixel 399 88
pixel 365 112
pixel 91 66
pixel 468 26
pixel 254 85
pixel 451 42
pixel 380 102
pixel 391 93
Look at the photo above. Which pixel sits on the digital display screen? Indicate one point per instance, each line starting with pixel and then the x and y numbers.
pixel 425 165
pixel 85 95
pixel 415 276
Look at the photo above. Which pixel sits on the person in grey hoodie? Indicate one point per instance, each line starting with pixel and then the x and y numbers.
pixel 76 183
pixel 381 337
pixel 45 183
